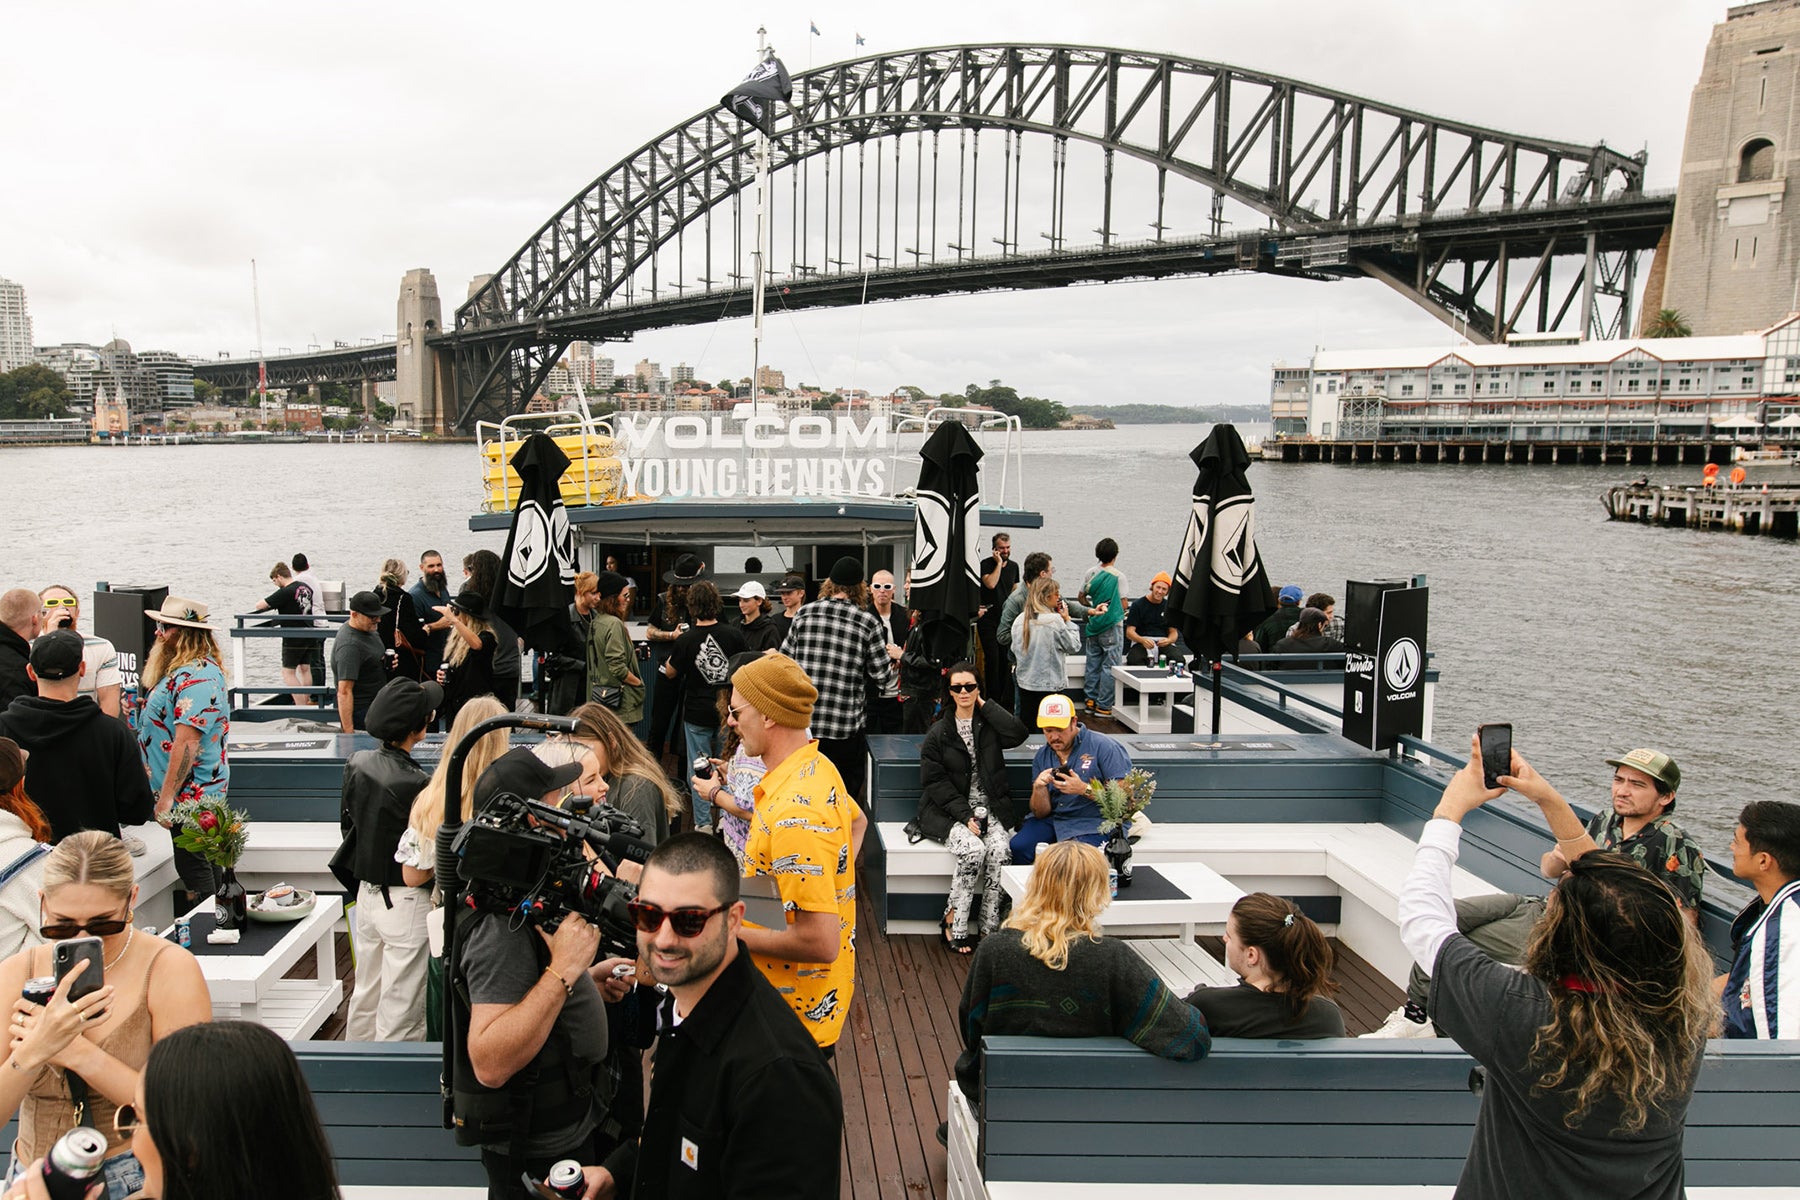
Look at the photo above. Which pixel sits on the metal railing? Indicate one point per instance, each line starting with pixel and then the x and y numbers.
pixel 982 422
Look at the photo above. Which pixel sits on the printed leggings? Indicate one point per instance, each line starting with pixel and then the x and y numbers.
pixel 978 863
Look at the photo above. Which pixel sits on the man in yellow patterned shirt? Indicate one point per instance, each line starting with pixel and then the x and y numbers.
pixel 805 832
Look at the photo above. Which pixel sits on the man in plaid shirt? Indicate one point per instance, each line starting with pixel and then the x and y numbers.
pixel 842 647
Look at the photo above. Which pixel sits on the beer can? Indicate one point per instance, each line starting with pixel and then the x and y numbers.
pixel 184 933
pixel 565 1179
pixel 73 1163
pixel 40 989
pixel 1112 882
pixel 1039 852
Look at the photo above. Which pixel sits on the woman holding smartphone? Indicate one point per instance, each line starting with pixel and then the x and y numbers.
pixel 70 1061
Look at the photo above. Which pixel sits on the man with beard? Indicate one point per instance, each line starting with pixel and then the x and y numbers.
pixel 742 1101
pixel 428 595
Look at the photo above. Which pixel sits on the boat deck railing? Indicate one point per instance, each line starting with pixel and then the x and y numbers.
pixel 245 698
pixel 988 427
pixel 591 442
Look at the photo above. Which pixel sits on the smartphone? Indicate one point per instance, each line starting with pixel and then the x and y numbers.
pixel 1496 752
pixel 75 950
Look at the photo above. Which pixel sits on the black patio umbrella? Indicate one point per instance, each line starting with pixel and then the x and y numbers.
pixel 539 583
pixel 1221 591
pixel 946 579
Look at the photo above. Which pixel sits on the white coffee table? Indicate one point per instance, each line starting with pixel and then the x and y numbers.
pixel 250 987
pixel 1136 685
pixel 1207 901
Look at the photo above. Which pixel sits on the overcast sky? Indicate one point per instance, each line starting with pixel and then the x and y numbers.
pixel 149 151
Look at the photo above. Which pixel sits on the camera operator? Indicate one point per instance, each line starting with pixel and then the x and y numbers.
pixel 536 1035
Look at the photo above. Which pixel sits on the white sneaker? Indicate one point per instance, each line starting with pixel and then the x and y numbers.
pixel 134 845
pixel 1399 1025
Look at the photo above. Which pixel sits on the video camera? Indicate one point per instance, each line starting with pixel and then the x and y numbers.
pixel 524 858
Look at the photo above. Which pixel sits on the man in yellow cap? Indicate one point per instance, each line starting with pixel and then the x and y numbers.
pixel 805 832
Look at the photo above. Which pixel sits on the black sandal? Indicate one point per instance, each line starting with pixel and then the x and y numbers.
pixel 962 945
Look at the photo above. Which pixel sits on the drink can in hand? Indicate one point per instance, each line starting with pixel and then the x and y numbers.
pixel 74 1163
pixel 565 1179
pixel 39 990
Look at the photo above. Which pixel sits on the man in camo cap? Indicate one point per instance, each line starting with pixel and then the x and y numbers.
pixel 1637 824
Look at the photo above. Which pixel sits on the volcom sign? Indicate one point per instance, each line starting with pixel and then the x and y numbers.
pixel 777 462
pixel 1384 672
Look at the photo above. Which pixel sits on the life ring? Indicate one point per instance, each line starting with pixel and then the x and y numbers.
pixel 1738 475
pixel 1710 470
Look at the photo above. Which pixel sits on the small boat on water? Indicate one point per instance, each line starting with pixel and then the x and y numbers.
pixel 1276 798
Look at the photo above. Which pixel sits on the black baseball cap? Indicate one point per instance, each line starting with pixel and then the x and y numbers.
pixel 366 604
pixel 402 706
pixel 57 654
pixel 521 773
pixel 791 583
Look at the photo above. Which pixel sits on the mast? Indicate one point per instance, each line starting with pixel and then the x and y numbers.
pixel 262 367
pixel 758 257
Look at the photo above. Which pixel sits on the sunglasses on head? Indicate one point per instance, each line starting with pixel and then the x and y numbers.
pixel 58 931
pixel 965 687
pixel 62 602
pixel 687 922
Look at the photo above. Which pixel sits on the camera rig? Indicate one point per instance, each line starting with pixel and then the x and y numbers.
pixel 524 859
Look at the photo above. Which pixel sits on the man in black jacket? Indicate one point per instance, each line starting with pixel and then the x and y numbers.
pixel 742 1103
pixel 21 616
pixel 379 788
pixel 85 771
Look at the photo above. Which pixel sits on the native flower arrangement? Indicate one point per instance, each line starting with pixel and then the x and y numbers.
pixel 1120 800
pixel 212 829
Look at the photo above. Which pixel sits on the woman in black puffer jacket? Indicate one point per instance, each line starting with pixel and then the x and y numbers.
pixel 965 802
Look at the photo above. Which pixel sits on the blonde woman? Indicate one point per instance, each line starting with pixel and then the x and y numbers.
pixel 152 987
pixel 402 633
pixel 635 784
pixel 1042 636
pixel 1049 972
pixel 468 669
pixel 417 854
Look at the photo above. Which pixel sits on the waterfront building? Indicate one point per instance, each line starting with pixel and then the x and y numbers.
pixel 1732 260
pixel 169 379
pixel 1553 389
pixel 15 327
pixel 1290 398
pixel 768 379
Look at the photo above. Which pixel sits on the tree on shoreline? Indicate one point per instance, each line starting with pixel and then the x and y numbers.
pixel 32 393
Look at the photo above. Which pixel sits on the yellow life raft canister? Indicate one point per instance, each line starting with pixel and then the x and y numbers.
pixel 594 475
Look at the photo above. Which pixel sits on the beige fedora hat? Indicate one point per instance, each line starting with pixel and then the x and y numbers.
pixel 179 611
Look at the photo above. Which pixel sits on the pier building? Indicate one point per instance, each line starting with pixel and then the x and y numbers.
pixel 1676 399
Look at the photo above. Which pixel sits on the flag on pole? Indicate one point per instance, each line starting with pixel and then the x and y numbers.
pixel 859 39
pixel 814 28
pixel 754 99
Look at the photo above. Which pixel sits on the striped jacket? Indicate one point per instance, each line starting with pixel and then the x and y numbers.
pixel 1762 993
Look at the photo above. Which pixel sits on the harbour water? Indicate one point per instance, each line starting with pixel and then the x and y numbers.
pixel 1591 637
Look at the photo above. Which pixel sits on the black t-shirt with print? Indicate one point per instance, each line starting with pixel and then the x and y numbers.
pixel 700 659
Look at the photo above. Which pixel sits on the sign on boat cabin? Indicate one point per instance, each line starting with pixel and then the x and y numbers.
pixel 1384 666
pixel 762 456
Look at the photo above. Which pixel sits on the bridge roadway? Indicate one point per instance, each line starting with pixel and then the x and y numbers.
pixel 1412 251
pixel 1409 251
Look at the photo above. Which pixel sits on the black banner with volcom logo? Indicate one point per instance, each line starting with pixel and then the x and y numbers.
pixel 1384 682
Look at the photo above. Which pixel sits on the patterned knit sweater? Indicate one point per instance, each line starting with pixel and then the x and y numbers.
pixel 1103 989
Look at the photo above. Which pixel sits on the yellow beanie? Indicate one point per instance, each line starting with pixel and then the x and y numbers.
pixel 778 689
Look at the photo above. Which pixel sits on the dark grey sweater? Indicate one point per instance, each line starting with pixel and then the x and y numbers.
pixel 1103 989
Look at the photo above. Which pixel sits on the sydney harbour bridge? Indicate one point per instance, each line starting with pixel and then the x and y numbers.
pixel 971 168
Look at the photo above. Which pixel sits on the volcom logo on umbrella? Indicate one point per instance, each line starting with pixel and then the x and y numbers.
pixel 932 539
pixel 541 539
pixel 1234 543
pixel 1400 667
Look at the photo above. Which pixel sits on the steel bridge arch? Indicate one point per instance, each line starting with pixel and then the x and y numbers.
pixel 1308 159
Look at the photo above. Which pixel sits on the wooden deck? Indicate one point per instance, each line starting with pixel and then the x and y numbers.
pixel 900 1044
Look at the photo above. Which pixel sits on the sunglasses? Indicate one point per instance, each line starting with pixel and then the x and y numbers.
pixel 62 602
pixel 881 587
pixel 126 1119
pixel 59 931
pixel 687 922
pixel 965 687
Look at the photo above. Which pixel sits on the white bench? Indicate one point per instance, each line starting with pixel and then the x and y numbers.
pixel 1363 864
pixel 1182 964
pixel 156 874
pixel 296 852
